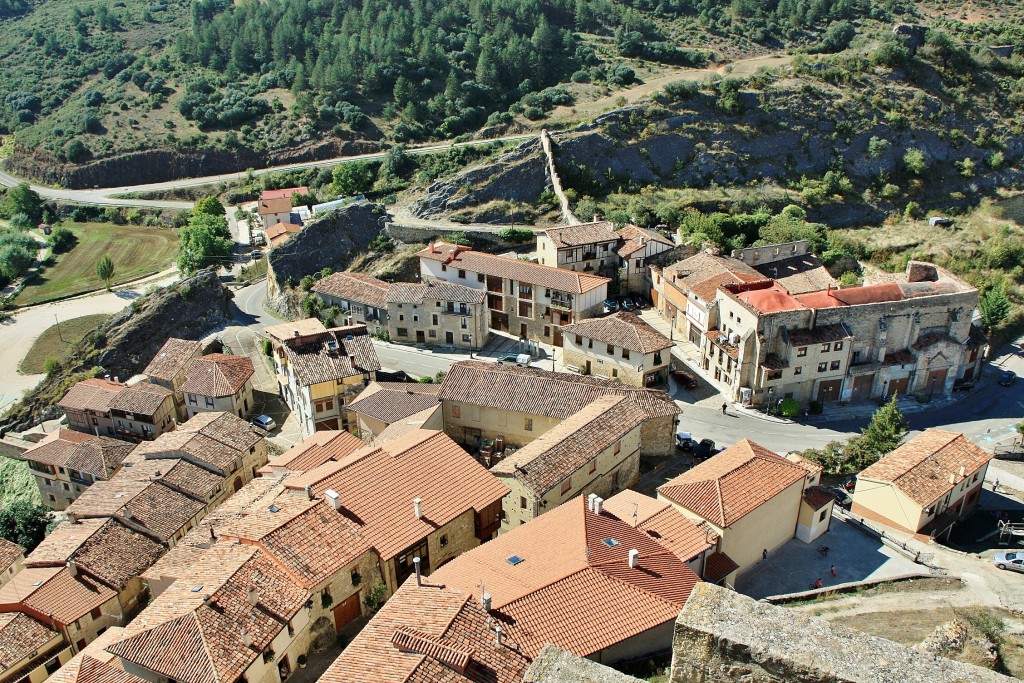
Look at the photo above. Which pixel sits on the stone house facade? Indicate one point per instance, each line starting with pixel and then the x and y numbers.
pixel 361 298
pixel 437 313
pixel 219 383
pixel 619 347
pixel 167 369
pixel 66 463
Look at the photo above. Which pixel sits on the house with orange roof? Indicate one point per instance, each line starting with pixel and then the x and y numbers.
pixel 382 404
pixel 312 452
pixel 525 299
pixel 636 246
pixel 87 405
pixel 167 368
pixel 136 411
pixel 30 650
pixel 620 346
pixel 362 298
pixel 577 577
pixel 753 500
pixel 12 560
pixel 924 486
pixel 400 495
pixel 279 233
pixel 218 382
pixel 94 664
pixel 275 210
pixel 66 463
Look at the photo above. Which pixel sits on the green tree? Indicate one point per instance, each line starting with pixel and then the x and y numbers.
pixel 24 523
pixel 914 161
pixel 887 429
pixel 354 178
pixel 23 199
pixel 396 162
pixel 105 270
pixel 994 307
pixel 204 242
pixel 210 206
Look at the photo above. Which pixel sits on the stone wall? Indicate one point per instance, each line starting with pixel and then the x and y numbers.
pixel 724 637
pixel 555 665
pixel 568 217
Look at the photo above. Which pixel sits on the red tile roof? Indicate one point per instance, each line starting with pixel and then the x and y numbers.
pixel 635 238
pixel 91 394
pixel 923 466
pixel 852 296
pixel 94 664
pixel 817 497
pixel 521 271
pixel 394 402
pixel 284 192
pixel 153 506
pixel 433 289
pixel 216 439
pixel 9 553
pixel 21 637
pixel 267 207
pixel 319 448
pixel 718 566
pixel 332 355
pixel 624 329
pixel 54 592
pixel 377 486
pixel 358 287
pixel 571 569
pixel 217 374
pixel 582 234
pixel 732 484
pixel 280 232
pixel 765 296
pixel 663 523
pixel 172 358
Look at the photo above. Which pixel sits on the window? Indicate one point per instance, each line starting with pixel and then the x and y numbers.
pixel 468 338
pixel 464 324
pixel 821 517
pixel 444 268
pixel 415 318
pixel 625 353
pixel 456 411
pixel 838 346
pixel 528 426
pixel 834 365
pixel 432 333
pixel 433 319
pixel 566 486
pixel 657 357
pixel 547 330
pixel 444 541
pixel 579 340
pixel 403 332
pixel 462 274
pixel 802 351
pixel 593 466
pixel 856 357
pixel 209 402
pixel 479 277
pixel 798 370
pixel 610 350
pixel 96 613
pixel 822 367
pixel 522 502
pixel 615 372
pixel 52 665
pixel 825 348
pixel 191 400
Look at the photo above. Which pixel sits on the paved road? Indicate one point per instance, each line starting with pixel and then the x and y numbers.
pixel 110 196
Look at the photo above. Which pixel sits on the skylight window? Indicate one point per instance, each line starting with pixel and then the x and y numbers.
pixel 196 589
pixel 514 560
pixel 274 508
pixel 610 542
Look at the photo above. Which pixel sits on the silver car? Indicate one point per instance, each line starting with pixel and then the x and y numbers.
pixel 1013 561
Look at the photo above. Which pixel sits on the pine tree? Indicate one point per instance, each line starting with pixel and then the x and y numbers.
pixel 105 270
pixel 994 307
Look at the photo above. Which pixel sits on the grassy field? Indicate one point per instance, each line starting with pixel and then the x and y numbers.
pixel 16 482
pixel 58 342
pixel 136 252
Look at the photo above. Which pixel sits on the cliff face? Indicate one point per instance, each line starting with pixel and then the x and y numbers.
pixel 125 344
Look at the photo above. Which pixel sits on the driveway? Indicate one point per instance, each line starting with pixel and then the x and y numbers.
pixel 795 567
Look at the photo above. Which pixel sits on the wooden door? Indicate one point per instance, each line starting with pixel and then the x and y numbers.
pixel 347 611
pixel 828 391
pixel 937 380
pixel 557 340
pixel 420 338
pixel 897 386
pixel 449 337
pixel 862 387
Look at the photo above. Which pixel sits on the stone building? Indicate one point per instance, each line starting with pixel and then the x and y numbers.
pixel 636 247
pixel 12 560
pixel 321 371
pixel 523 298
pixel 218 383
pixel 383 404
pixel 621 346
pixel 437 313
pixel 361 298
pixel 66 462
pixel 909 334
pixel 32 650
pixel 87 405
pixel 167 369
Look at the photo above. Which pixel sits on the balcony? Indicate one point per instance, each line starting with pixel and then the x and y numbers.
pixel 39 467
pixel 464 312
pixel 561 303
pixel 78 479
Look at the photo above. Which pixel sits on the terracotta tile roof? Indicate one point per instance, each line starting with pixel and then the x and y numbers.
pixel 304 328
pixel 54 592
pixel 817 497
pixel 521 271
pixel 100 456
pixel 902 357
pixel 319 448
pixel 702 267
pixel 267 207
pixel 428 634
pixel 852 296
pixel 707 289
pixel 90 394
pixel 634 238
pixel 377 485
pixel 296 536
pixel 178 561
pixel 570 569
pixel 279 230
pixel 336 354
pixel 153 506
pixel 798 274
pixel 765 296
pixel 217 439
pixel 718 566
pixel 358 287
pixel 732 484
pixel 21 637
pixel 9 553
pixel 172 358
pixel 923 466
pixel 813 468
pixel 285 192
pixel 433 290
pixel 181 475
pixel 567 448
pixel 663 523
pixel 394 402
pixel 582 233
pixel 94 664
pixel 819 335
pixel 217 374
pixel 540 392
pixel 624 329
pixel 416 421
pixel 197 636
pixel 104 548
pixel 142 398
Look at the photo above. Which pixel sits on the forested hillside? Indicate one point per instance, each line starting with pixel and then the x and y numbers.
pixel 89 80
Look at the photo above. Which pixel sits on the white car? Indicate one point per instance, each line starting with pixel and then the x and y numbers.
pixel 264 422
pixel 1012 561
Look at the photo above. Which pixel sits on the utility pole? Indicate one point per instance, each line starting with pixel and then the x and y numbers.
pixel 59 333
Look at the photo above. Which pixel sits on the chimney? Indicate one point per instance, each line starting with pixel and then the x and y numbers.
pixel 295 332
pixel 309 491
pixel 497 635
pixel 417 507
pixel 246 638
pixel 597 217
pixel 433 247
pixel 952 478
pixel 213 534
pixel 252 596
pixel 72 569
pixel 598 505
pixel 590 501
pixel 72 518
pixel 634 557
pixel 485 602
pixel 126 513
pixel 333 498
pixel 963 471
pixel 278 470
pixel 419 574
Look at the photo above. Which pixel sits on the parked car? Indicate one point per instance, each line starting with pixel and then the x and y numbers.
pixel 684 441
pixel 843 498
pixel 684 378
pixel 517 358
pixel 639 302
pixel 611 305
pixel 1007 378
pixel 264 422
pixel 257 255
pixel 1012 561
pixel 627 304
pixel 704 450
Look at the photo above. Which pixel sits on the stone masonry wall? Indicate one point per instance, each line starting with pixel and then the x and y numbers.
pixel 724 637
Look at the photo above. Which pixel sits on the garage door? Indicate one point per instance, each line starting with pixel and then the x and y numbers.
pixel 828 391
pixel 862 387
pixel 897 386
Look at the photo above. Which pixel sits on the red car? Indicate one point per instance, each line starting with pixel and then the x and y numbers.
pixel 684 378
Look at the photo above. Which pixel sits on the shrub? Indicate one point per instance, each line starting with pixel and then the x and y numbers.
pixel 996 161
pixel 680 91
pixel 914 161
pixel 62 239
pixel 789 407
pixel 306 283
pixel 517 235
pixel 51 366
pixel 814 407
pixel 268 348
pixel 878 146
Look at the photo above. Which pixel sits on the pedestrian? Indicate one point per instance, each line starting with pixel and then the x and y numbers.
pixel 764 554
pixel 995 484
pixel 833 571
pixel 817 584
pixel 725 405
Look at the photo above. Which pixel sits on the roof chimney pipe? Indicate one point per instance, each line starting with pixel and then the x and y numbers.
pixel 419 574
pixel 309 491
pixel 634 557
pixel 72 518
pixel 590 501
pixel 333 498
pixel 246 638
pixel 252 596
pixel 598 505
pixel 72 569
pixel 497 635
pixel 485 602
pixel 417 507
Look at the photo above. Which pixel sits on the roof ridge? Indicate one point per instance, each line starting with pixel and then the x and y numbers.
pixel 719 498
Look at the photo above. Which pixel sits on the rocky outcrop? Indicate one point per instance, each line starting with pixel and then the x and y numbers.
pixel 153 166
pixel 723 637
pixel 125 344
pixel 555 665
pixel 328 242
